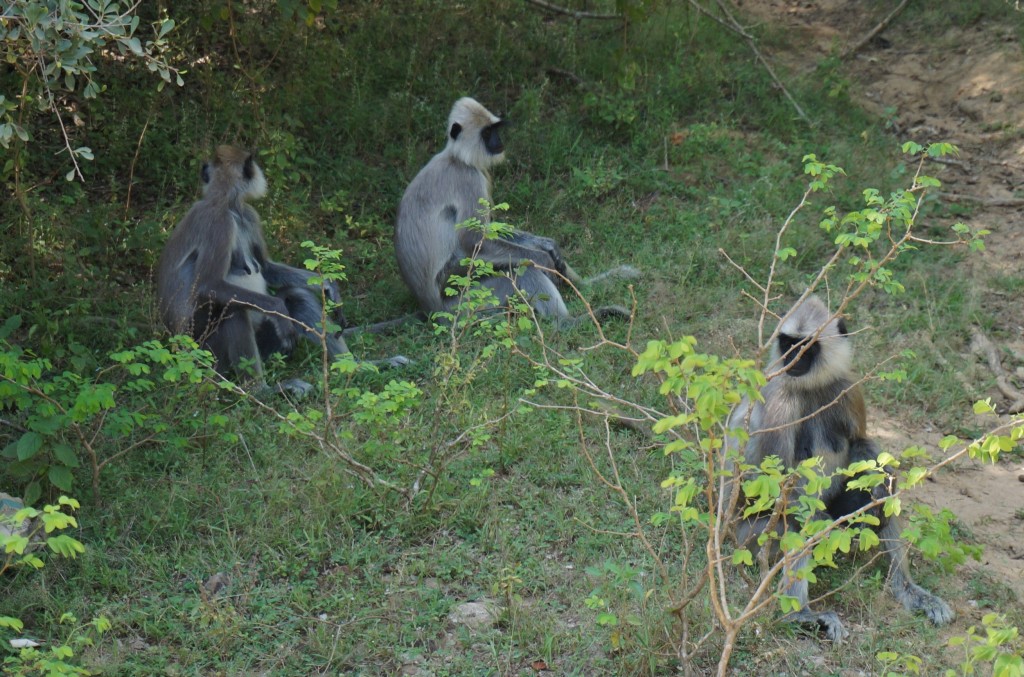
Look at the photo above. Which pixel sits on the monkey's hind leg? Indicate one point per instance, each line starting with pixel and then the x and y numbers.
pixel 231 339
pixel 304 306
pixel 911 595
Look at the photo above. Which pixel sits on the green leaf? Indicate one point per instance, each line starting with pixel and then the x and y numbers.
pixel 66 455
pixel 789 604
pixel 65 546
pixel 10 325
pixel 984 407
pixel 32 492
pixel 60 476
pixel 166 26
pixel 743 556
pixel 912 148
pixel 12 623
pixel 29 445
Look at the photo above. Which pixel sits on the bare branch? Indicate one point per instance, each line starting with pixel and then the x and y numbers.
pixel 850 51
pixel 575 14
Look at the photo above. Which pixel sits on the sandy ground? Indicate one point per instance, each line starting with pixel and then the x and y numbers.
pixel 964 85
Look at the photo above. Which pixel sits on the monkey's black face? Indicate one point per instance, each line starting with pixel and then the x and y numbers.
pixel 492 138
pixel 790 347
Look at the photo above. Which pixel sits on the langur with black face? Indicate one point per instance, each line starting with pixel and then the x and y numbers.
pixel 217 283
pixel 447 192
pixel 813 407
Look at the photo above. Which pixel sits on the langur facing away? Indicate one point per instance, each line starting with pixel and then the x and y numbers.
pixel 813 407
pixel 217 283
pixel 447 192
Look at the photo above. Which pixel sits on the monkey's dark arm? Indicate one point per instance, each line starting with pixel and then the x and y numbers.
pixel 281 275
pixel 864 449
pixel 508 253
pixel 212 266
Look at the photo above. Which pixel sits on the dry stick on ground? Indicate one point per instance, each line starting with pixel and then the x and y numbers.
pixel 575 14
pixel 850 51
pixel 985 201
pixel 983 347
pixel 730 23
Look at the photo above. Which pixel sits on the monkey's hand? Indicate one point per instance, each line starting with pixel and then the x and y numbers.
pixel 286 329
pixel 550 247
pixel 331 292
pixel 333 295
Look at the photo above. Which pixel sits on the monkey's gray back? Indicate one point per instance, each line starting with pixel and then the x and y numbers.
pixel 176 272
pixel 444 193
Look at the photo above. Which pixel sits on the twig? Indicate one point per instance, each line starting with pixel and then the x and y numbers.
pixel 575 14
pixel 950 161
pixel 983 347
pixel 735 27
pixel 850 51
pixel 135 159
pixel 987 202
pixel 12 424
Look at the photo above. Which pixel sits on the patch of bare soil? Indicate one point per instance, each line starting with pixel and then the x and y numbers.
pixel 964 85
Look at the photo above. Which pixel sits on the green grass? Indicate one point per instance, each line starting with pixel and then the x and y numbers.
pixel 662 153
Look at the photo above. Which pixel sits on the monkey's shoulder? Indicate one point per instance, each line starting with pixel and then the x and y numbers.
pixel 448 177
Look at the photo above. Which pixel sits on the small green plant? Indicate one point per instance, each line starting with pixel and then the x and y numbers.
pixel 899 665
pixel 21 531
pixel 620 583
pixel 999 648
pixel 63 413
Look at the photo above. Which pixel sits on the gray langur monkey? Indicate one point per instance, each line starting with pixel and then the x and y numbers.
pixel 813 407
pixel 446 192
pixel 217 283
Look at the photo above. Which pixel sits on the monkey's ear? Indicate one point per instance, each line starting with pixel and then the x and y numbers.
pixel 455 130
pixel 842 327
pixel 247 169
pixel 204 173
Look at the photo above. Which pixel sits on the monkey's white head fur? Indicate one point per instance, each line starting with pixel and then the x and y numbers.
pixel 834 357
pixel 234 172
pixel 466 124
pixel 257 185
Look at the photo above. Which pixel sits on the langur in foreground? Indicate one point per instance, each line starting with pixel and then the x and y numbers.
pixel 813 407
pixel 216 282
pixel 447 192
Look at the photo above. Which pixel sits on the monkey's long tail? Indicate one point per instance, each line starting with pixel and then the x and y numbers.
pixel 618 273
pixel 385 326
pixel 601 314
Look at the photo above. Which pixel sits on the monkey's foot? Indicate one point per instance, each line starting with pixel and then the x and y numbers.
pixel 917 599
pixel 294 387
pixel 394 362
pixel 606 312
pixel 826 622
